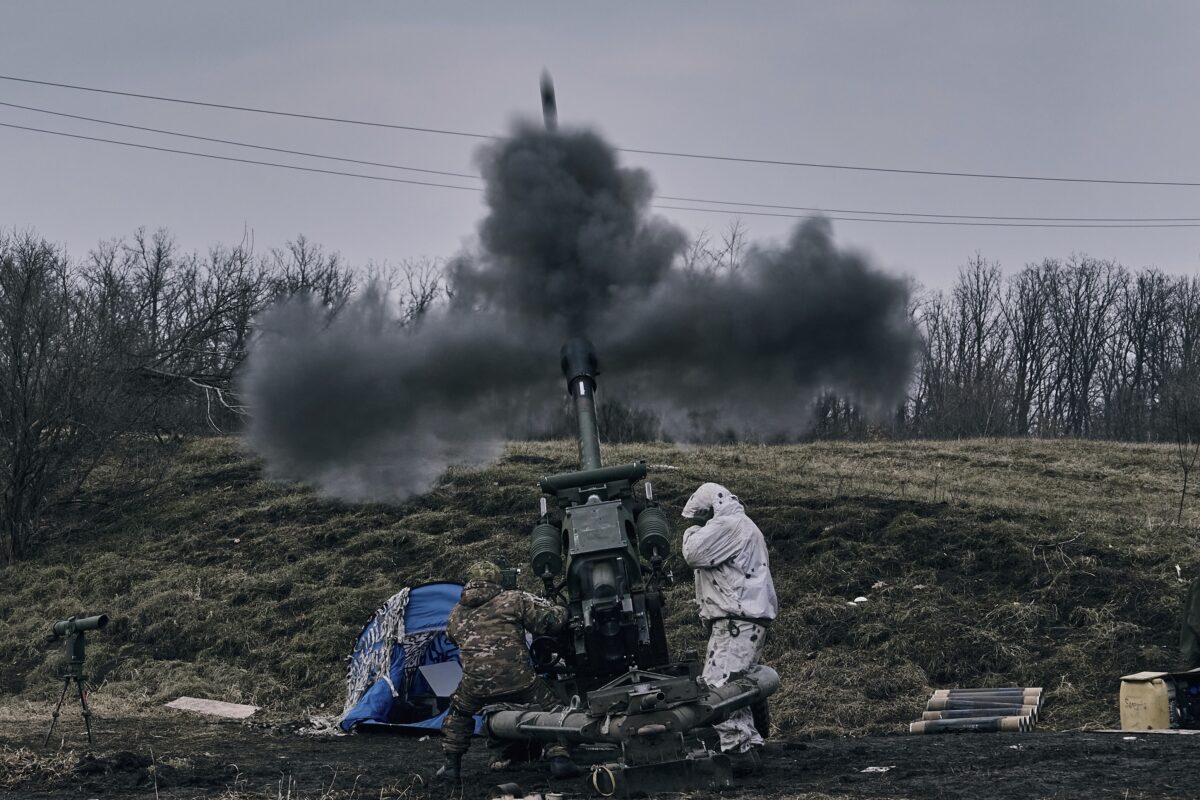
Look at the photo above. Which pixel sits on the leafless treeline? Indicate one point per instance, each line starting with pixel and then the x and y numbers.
pixel 118 354
pixel 1082 347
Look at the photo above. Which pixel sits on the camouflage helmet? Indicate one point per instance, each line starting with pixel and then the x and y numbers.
pixel 484 572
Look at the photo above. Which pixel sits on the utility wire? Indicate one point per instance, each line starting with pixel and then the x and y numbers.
pixel 240 160
pixel 673 198
pixel 916 214
pixel 640 151
pixel 933 221
pixel 293 114
pixel 238 144
pixel 899 171
pixel 655 205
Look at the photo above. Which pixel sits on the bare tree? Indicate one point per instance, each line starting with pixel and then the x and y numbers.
pixel 1025 313
pixel 301 267
pixel 960 389
pixel 703 256
pixel 184 323
pixel 1187 436
pixel 423 285
pixel 1138 356
pixel 696 258
pixel 621 422
pixel 152 261
pixel 1084 293
pixel 934 382
pixel 980 349
pixel 60 384
pixel 1187 325
pixel 732 251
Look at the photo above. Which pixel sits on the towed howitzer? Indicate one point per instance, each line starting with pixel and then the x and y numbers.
pixel 601 548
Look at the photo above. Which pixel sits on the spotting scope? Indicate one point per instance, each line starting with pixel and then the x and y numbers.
pixel 76 624
pixel 74 630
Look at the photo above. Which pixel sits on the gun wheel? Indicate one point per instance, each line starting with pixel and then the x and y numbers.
pixel 762 718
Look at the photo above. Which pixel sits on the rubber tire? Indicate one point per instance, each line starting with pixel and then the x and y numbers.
pixel 762 718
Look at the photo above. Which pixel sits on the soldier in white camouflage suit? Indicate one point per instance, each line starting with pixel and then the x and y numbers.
pixel 737 602
pixel 489 625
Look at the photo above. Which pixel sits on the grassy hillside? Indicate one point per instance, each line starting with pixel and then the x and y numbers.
pixel 985 562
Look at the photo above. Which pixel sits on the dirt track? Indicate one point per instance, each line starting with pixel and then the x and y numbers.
pixel 198 759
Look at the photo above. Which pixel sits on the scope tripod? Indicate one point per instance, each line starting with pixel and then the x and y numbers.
pixel 72 674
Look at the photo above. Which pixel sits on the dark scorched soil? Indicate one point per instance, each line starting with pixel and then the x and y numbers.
pixel 192 759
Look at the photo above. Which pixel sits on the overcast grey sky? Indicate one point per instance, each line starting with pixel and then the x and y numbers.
pixel 1086 89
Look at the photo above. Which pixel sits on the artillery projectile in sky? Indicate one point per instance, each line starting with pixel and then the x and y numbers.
pixel 549 103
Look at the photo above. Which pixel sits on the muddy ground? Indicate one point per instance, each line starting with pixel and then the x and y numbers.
pixel 186 758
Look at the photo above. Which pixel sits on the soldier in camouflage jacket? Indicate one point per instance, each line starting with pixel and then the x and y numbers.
pixel 489 625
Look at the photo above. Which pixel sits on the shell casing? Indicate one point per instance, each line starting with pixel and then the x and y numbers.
pixel 996 711
pixel 972 725
pixel 971 694
pixel 980 701
pixel 998 690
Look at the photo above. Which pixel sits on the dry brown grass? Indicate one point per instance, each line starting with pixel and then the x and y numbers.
pixel 289 789
pixel 25 767
pixel 986 562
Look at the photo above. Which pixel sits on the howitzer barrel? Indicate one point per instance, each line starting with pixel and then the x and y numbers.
pixel 972 725
pixel 580 367
pixel 714 705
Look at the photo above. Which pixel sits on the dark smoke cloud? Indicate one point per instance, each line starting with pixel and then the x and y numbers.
pixel 747 350
pixel 365 409
pixel 567 235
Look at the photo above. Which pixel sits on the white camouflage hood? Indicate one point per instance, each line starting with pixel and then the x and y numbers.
pixel 729 556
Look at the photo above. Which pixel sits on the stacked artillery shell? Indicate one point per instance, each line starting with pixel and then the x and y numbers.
pixel 980 710
pixel 973 725
pixel 990 711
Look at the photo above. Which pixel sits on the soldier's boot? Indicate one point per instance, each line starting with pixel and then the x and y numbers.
pixel 744 763
pixel 451 770
pixel 564 767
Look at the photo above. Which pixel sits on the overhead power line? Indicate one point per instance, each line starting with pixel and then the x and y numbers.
pixel 899 171
pixel 640 151
pixel 917 214
pixel 237 143
pixel 239 160
pixel 227 107
pixel 966 223
pixel 385 179
pixel 673 198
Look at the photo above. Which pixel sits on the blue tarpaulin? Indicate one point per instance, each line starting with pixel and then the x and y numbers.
pixel 405 699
